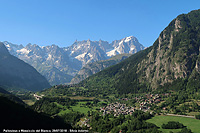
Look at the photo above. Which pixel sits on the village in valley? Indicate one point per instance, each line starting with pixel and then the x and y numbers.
pixel 116 108
pixel 37 97
pixel 145 104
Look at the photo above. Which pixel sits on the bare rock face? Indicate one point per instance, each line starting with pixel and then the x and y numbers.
pixel 170 58
pixel 197 66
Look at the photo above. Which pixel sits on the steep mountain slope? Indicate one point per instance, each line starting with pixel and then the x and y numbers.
pixel 3 91
pixel 11 97
pixel 173 62
pixel 92 68
pixel 17 74
pixel 15 116
pixel 59 65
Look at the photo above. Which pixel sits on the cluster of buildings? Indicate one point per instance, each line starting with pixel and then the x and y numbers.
pixel 117 109
pixel 37 97
pixel 146 102
pixel 84 122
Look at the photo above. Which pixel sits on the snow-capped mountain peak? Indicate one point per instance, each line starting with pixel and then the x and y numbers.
pixel 23 51
pixel 126 45
pixel 127 39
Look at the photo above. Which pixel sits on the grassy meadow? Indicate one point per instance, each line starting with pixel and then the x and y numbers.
pixel 79 107
pixel 192 124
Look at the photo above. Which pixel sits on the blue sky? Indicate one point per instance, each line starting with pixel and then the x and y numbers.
pixel 61 22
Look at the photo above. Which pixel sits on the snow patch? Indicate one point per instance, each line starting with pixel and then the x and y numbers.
pixel 81 46
pixel 57 62
pixel 72 52
pixel 49 57
pixel 81 56
pixel 111 53
pixel 114 51
pixel 23 51
pixel 78 47
pixel 8 47
pixel 121 42
pixel 38 56
pixel 132 48
pixel 128 39
pixel 90 55
pixel 42 47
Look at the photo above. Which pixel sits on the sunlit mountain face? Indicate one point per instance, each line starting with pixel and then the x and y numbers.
pixel 60 65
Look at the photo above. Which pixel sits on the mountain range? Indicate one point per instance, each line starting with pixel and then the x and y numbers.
pixel 16 74
pixel 172 63
pixel 60 65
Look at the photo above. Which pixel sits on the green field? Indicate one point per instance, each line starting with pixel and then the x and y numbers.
pixel 192 124
pixel 81 98
pixel 80 107
pixel 29 102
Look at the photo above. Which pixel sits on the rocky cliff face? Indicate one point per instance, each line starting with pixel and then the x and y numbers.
pixel 16 74
pixel 174 54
